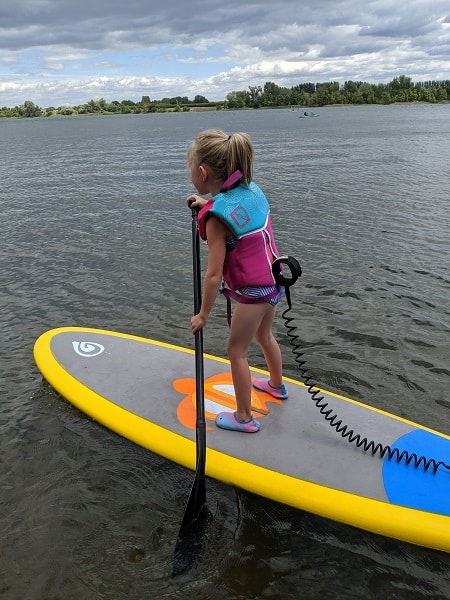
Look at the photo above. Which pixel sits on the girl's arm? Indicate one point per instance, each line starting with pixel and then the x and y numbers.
pixel 216 234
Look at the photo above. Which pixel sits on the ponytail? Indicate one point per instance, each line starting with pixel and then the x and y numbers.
pixel 240 156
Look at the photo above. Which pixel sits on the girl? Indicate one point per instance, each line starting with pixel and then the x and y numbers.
pixel 241 249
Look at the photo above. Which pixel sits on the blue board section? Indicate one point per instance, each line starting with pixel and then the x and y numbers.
pixel 417 488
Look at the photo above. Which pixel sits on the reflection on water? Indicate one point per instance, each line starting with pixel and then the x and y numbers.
pixel 95 232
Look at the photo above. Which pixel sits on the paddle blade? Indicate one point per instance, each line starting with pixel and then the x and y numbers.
pixel 189 545
pixel 197 497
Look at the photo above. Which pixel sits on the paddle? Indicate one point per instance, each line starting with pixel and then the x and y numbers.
pixel 197 497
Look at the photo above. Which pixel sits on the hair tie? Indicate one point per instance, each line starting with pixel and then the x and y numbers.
pixel 229 137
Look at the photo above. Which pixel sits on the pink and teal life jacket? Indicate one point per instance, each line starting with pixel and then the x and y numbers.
pixel 246 212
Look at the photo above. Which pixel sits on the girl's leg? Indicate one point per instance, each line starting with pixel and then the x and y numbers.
pixel 247 319
pixel 270 348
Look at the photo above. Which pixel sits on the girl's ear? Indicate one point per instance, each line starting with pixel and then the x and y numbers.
pixel 203 173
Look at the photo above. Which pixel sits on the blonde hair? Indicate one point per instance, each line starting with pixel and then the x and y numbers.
pixel 223 153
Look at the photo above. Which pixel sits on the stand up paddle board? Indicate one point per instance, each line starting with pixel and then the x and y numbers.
pixel 144 390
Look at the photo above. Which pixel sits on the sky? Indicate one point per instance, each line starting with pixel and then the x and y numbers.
pixel 67 52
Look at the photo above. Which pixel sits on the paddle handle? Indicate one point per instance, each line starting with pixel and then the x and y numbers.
pixel 199 367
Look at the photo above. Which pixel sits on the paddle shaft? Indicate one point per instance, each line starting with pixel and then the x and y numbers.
pixel 197 497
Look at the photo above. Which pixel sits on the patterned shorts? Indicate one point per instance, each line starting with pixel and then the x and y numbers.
pixel 256 291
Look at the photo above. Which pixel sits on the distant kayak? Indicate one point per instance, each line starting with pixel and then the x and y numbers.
pixel 304 115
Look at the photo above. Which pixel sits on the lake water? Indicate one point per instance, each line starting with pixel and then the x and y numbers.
pixel 95 232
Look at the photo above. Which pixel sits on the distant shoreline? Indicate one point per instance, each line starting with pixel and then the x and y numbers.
pixel 55 114
pixel 304 96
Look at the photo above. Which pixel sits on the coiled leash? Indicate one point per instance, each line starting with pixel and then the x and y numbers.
pixel 316 395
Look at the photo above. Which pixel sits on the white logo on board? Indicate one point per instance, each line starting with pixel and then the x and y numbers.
pixel 88 349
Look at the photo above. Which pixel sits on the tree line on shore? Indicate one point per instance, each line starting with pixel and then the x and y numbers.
pixel 271 95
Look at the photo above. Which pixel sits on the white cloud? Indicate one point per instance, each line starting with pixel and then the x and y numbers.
pixel 60 51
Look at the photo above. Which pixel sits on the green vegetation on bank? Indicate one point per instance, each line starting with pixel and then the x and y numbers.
pixel 400 89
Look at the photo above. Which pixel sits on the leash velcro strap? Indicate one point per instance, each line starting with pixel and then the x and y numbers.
pixel 279 273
